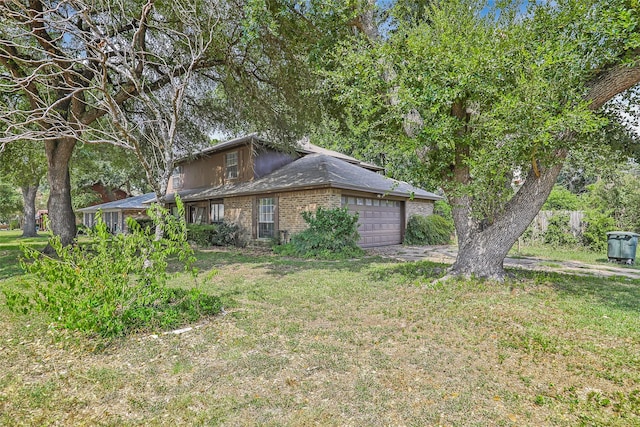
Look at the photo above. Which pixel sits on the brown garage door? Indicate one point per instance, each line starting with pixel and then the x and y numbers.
pixel 380 221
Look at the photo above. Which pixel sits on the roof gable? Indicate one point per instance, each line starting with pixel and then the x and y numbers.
pixel 302 147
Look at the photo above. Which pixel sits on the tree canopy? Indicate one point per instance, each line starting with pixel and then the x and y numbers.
pixel 468 94
pixel 151 76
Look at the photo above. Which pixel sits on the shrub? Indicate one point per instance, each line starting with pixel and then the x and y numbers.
pixel 146 224
pixel 227 234
pixel 558 231
pixel 113 285
pixel 223 234
pixel 561 199
pixel 597 224
pixel 201 234
pixel 428 230
pixel 332 234
pixel 442 208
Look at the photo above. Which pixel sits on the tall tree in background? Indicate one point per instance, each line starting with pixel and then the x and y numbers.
pixel 471 95
pixel 130 72
pixel 9 202
pixel 113 168
pixel 23 164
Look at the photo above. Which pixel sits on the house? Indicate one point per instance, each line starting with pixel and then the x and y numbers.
pixel 114 213
pixel 263 189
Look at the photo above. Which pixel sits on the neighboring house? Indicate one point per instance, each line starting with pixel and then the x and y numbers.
pixel 107 194
pixel 250 182
pixel 114 213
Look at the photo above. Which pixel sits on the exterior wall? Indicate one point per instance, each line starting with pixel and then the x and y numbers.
pixel 418 207
pixel 292 204
pixel 266 161
pixel 209 171
pixel 239 210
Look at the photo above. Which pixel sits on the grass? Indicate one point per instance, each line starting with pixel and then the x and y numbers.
pixel 562 254
pixel 10 242
pixel 362 342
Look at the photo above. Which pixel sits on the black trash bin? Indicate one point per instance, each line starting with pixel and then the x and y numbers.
pixel 621 246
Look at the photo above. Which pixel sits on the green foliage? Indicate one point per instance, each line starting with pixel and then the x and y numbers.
pixel 113 285
pixel 562 199
pixel 145 223
pixel 428 230
pixel 223 234
pixel 201 234
pixel 597 224
pixel 619 197
pixel 10 202
pixel 461 52
pixel 227 234
pixel 558 231
pixel 331 234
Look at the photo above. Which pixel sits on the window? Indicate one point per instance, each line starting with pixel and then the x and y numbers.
pixel 266 218
pixel 231 165
pixel 89 219
pixel 178 177
pixel 175 212
pixel 111 221
pixel 196 214
pixel 217 212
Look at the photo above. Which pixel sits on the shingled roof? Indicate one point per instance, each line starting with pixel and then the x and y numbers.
pixel 303 147
pixel 314 171
pixel 129 203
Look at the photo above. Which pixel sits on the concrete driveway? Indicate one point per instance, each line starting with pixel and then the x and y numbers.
pixel 447 254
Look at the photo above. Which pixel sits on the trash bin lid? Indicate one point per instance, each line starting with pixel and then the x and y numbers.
pixel 622 234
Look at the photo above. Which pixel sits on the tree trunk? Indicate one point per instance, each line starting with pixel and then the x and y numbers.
pixel 29 202
pixel 481 251
pixel 62 220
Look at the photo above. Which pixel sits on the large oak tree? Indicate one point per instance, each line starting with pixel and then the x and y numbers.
pixel 469 96
pixel 132 72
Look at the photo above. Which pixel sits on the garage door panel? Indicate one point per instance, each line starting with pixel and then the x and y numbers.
pixel 380 222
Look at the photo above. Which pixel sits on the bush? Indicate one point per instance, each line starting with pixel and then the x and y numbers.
pixel 146 224
pixel 561 199
pixel 597 224
pixel 428 230
pixel 223 234
pixel 201 234
pixel 332 234
pixel 558 231
pixel 113 285
pixel 227 234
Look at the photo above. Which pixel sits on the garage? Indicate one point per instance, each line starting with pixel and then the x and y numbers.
pixel 380 221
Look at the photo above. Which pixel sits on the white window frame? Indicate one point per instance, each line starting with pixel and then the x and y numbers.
pixel 231 165
pixel 178 177
pixel 266 216
pixel 217 212
pixel 196 214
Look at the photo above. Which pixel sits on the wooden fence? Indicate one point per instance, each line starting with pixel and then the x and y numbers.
pixel 541 221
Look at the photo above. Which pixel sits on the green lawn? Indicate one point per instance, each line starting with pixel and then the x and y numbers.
pixel 564 254
pixel 365 342
pixel 10 250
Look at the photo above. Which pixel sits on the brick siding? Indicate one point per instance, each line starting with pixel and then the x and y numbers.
pixel 418 207
pixel 292 204
pixel 239 210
